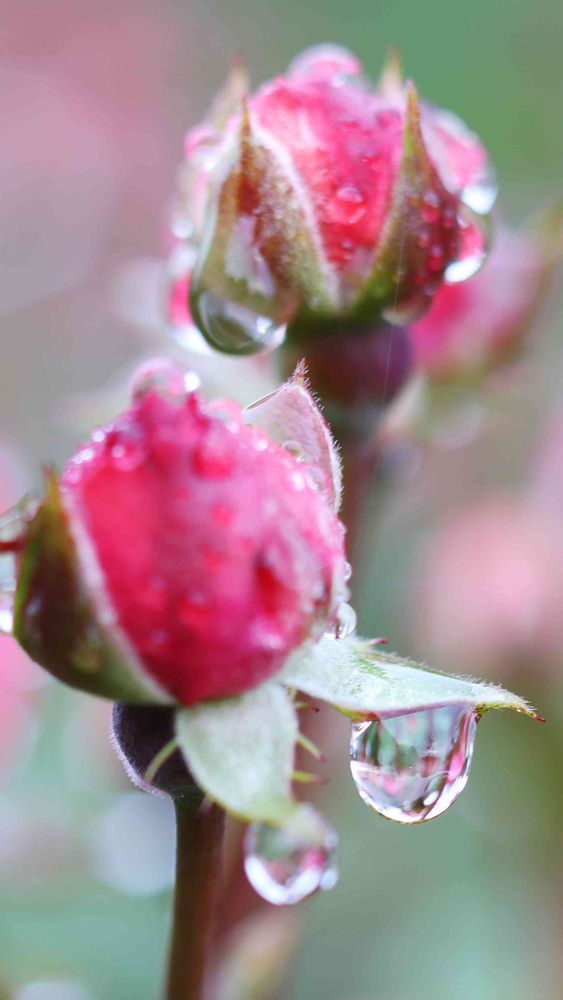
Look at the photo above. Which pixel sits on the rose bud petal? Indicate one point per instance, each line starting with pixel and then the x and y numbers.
pixel 319 199
pixel 475 327
pixel 182 556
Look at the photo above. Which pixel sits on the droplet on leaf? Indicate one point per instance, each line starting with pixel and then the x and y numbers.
pixel 412 767
pixel 286 864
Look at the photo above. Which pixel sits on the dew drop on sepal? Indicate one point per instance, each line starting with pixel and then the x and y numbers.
pixel 288 863
pixel 344 623
pixel 233 328
pixel 474 237
pixel 412 767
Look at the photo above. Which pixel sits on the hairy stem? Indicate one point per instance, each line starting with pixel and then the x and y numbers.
pixel 198 865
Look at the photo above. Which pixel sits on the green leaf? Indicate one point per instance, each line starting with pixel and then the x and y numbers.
pixel 363 682
pixel 240 751
pixel 291 415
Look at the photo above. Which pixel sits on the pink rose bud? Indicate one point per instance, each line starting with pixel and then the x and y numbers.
pixel 320 200
pixel 183 554
pixel 475 327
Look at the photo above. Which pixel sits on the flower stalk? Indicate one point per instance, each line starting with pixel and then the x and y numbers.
pixel 199 843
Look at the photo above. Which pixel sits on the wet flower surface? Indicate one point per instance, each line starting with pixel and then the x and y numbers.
pixel 206 551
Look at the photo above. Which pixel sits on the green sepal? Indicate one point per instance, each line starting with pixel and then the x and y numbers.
pixel 363 682
pixel 399 259
pixel 240 751
pixel 55 621
pixel 261 249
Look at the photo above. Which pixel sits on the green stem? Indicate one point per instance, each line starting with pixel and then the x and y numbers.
pixel 198 863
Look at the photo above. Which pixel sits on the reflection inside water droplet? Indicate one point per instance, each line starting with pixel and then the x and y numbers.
pixel 412 767
pixel 473 247
pixel 233 328
pixel 286 864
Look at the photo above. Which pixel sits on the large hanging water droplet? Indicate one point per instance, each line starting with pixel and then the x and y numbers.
pixel 233 328
pixel 13 526
pixel 473 247
pixel 412 767
pixel 286 864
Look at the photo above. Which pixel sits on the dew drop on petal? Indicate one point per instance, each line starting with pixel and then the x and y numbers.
pixel 480 196
pixel 347 206
pixel 296 449
pixel 325 62
pixel 233 328
pixel 286 864
pixel 474 240
pixel 412 767
pixel 170 381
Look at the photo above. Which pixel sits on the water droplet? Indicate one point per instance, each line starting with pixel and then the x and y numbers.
pixel 13 527
pixel 424 237
pixel 325 62
pixel 473 249
pixel 481 195
pixel 125 451
pixel 430 207
pixel 345 623
pixel 296 449
pixel 213 456
pixel 436 258
pixel 347 206
pixel 233 328
pixel 170 381
pixel 286 864
pixel 412 767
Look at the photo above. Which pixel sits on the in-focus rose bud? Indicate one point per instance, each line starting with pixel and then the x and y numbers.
pixel 319 200
pixel 184 553
pixel 473 328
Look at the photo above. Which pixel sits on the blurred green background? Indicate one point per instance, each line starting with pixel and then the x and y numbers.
pixel 95 99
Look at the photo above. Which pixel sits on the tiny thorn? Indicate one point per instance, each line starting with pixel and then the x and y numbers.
pixel 381 641
pixel 539 718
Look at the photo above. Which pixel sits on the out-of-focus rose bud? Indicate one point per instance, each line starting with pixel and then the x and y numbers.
pixel 319 200
pixel 489 593
pixel 184 553
pixel 475 327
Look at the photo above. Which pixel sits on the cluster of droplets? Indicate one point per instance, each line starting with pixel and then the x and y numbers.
pixel 412 767
pixel 285 864
pixel 13 528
